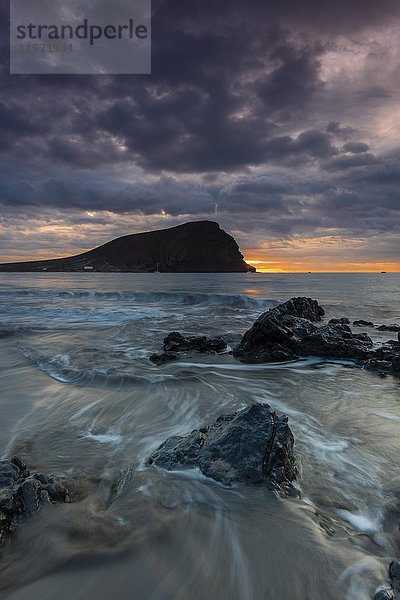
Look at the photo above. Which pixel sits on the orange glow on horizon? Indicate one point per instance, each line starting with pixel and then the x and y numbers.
pixel 323 267
pixel 325 253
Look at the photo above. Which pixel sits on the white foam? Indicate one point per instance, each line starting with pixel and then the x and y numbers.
pixel 103 438
pixel 386 415
pixel 338 446
pixel 361 523
pixel 84 409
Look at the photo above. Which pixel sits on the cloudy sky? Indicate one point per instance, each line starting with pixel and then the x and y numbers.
pixel 279 119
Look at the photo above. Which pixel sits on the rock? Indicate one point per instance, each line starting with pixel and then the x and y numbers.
pixel 362 323
pixel 336 341
pixel 275 336
pixel 393 327
pixel 393 593
pixel 164 357
pixel 23 495
pixel 385 359
pixel 341 321
pixel 394 574
pixel 252 446
pixel 280 335
pixel 305 308
pixel 5 331
pixel 175 342
pixel 29 496
pixel 383 595
pixel 120 483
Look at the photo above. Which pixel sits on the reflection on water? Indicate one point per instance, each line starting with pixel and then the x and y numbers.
pixel 79 396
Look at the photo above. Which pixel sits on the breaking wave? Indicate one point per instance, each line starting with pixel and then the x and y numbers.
pixel 186 298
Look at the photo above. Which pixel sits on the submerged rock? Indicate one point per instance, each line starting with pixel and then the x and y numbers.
pixel 394 327
pixel 6 331
pixel 23 494
pixel 252 446
pixel 163 357
pixel 385 359
pixel 362 323
pixel 176 342
pixel 280 335
pixel 341 321
pixel 392 593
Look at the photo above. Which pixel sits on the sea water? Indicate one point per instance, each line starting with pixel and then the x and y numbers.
pixel 79 396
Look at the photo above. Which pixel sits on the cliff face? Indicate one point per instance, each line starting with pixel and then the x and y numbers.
pixel 197 247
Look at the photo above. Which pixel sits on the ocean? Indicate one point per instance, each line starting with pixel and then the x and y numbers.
pixel 79 396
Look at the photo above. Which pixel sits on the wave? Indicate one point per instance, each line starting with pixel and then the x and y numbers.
pixel 96 376
pixel 187 298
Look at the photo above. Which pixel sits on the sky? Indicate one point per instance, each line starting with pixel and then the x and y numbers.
pixel 280 119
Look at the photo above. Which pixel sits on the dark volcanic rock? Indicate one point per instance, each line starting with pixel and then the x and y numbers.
pixel 392 593
pixel 164 357
pixel 277 333
pixel 304 308
pixel 23 494
pixel 6 331
pixel 341 321
pixel 252 445
pixel 336 341
pixel 280 335
pixel 175 342
pixel 385 359
pixel 362 323
pixel 393 327
pixel 196 247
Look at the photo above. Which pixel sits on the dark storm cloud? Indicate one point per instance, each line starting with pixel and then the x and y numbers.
pixel 246 111
pixel 293 82
pixel 196 112
pixel 229 83
pixel 356 147
pixel 342 163
pixel 345 132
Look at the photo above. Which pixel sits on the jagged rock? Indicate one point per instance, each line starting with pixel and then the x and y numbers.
pixel 393 327
pixel 336 341
pixel 280 335
pixel 385 359
pixel 252 445
pixel 277 332
pixel 23 494
pixel 341 321
pixel 120 483
pixel 362 323
pixel 175 342
pixel 384 595
pixel 393 593
pixel 164 357
pixel 305 308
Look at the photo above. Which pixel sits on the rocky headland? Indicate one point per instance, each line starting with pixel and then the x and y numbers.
pixel 195 247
